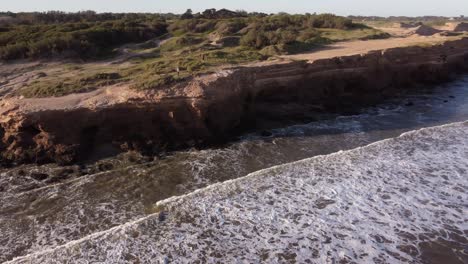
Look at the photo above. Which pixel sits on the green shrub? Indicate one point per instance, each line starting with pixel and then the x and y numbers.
pixel 329 21
pixel 283 29
pixel 181 42
pixel 230 27
pixel 90 35
pixel 272 50
pixel 155 82
pixel 255 38
pixel 182 26
pixel 308 34
pixel 85 40
pixel 205 26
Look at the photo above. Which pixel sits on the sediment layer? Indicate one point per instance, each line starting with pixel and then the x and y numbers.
pixel 212 107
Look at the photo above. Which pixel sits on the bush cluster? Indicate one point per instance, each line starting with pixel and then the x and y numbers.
pixel 286 29
pixel 85 40
pixel 54 17
pixel 194 25
pixel 90 35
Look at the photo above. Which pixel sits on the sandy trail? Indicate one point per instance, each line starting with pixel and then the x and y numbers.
pixel 450 26
pixel 364 46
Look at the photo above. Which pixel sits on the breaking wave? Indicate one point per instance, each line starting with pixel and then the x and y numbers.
pixel 397 200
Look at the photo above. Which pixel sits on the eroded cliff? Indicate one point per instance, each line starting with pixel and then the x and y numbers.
pixel 210 108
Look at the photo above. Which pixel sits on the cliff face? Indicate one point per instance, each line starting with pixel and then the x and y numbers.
pixel 214 106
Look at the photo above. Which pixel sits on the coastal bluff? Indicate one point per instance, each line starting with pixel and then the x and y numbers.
pixel 210 108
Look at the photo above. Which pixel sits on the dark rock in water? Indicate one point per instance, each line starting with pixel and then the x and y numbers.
pixel 451 96
pixel 39 176
pixel 62 175
pixel 445 101
pixel 162 216
pixel 409 104
pixel 82 170
pixel 65 173
pixel 350 112
pixel 105 166
pixel 322 203
pixel 266 134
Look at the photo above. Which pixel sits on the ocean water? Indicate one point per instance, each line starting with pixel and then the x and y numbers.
pixel 396 200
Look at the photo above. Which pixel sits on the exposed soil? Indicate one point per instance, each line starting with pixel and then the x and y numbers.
pixel 362 47
pixel 212 107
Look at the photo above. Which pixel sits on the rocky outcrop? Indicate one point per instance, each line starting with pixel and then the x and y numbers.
pixel 424 30
pixel 461 27
pixel 219 105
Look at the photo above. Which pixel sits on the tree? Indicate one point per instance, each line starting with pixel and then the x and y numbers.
pixel 188 14
pixel 209 13
pixel 242 13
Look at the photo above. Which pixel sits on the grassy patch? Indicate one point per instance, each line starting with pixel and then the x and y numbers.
pixel 191 46
pixel 70 85
pixel 163 71
pixel 353 34
pixel 178 43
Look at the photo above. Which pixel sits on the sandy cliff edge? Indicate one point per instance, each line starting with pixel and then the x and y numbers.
pixel 209 107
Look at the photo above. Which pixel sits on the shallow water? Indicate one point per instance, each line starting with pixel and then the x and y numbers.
pixel 45 206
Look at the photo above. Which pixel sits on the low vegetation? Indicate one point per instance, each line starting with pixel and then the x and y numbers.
pixel 83 39
pixel 164 48
pixel 70 85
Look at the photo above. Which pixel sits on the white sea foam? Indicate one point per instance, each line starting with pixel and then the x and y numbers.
pixel 36 215
pixel 377 203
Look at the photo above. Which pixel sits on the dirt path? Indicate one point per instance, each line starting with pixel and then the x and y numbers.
pixel 361 47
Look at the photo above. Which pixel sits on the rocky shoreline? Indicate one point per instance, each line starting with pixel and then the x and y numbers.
pixel 211 108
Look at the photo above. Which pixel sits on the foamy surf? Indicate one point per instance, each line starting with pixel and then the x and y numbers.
pixel 397 200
